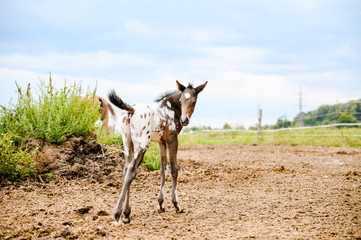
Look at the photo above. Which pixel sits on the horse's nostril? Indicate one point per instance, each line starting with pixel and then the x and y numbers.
pixel 184 121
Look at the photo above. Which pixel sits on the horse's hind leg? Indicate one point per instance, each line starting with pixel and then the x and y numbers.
pixel 119 209
pixel 129 177
pixel 163 160
pixel 128 152
pixel 127 209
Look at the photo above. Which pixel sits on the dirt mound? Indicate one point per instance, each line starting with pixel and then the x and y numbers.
pixel 77 157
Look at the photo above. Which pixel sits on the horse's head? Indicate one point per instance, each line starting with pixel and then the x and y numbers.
pixel 188 100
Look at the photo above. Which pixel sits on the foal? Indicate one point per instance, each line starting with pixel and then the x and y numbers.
pixel 161 122
pixel 105 107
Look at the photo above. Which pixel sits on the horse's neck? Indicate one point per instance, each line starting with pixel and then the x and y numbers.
pixel 174 103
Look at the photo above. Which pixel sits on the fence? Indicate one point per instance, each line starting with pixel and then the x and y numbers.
pixel 335 135
pixel 282 129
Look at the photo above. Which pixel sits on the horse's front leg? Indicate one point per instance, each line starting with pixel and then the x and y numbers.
pixel 172 145
pixel 163 162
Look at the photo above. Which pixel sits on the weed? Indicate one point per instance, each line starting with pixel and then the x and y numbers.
pixel 16 163
pixel 55 116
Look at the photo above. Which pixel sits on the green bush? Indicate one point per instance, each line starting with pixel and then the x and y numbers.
pixel 16 163
pixel 52 115
pixel 55 116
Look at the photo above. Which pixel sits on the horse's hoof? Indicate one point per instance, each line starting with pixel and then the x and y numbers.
pixel 126 220
pixel 179 210
pixel 161 210
pixel 118 223
pixel 117 216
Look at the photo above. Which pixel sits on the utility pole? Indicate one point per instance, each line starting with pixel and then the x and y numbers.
pixel 300 114
pixel 260 123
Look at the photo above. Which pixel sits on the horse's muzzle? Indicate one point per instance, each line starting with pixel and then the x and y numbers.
pixel 184 121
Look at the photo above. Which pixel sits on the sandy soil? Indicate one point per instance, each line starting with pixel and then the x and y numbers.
pixel 227 192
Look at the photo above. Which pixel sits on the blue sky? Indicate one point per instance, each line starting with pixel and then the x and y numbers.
pixel 252 53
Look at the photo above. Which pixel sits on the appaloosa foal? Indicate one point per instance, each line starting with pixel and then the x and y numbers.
pixel 161 122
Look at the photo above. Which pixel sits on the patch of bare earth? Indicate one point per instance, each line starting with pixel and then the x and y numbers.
pixel 227 192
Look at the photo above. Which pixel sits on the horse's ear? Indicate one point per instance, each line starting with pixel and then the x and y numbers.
pixel 201 87
pixel 180 86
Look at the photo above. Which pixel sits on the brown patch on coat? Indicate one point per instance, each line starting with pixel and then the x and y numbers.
pixel 137 146
pixel 161 114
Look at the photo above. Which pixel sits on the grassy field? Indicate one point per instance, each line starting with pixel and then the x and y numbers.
pixel 338 137
pixel 332 137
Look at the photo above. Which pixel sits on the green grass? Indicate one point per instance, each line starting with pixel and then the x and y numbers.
pixel 305 137
pixel 338 137
pixel 112 139
pixel 151 157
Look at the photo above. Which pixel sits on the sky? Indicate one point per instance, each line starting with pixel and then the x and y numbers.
pixel 255 54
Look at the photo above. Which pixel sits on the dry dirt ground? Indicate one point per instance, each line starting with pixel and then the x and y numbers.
pixel 227 192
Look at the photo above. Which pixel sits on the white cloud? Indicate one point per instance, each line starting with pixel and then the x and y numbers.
pixel 313 98
pixel 237 85
pixel 91 63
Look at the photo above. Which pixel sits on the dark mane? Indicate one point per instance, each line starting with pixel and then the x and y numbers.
pixel 169 93
pixel 190 85
pixel 164 95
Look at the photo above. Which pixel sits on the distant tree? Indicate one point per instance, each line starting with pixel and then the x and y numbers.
pixel 226 126
pixel 282 122
pixel 329 114
pixel 252 128
pixel 206 128
pixel 194 129
pixel 326 122
pixel 345 118
pixel 240 127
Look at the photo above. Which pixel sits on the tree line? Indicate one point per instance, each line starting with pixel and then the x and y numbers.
pixel 349 112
